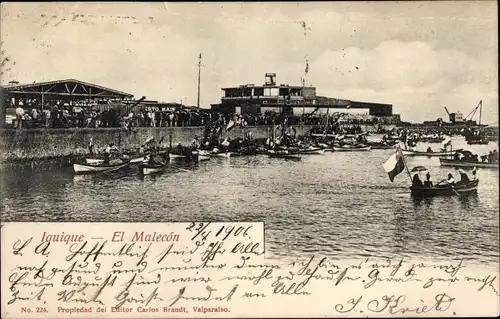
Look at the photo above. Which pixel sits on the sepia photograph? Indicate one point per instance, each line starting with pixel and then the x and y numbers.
pixel 350 130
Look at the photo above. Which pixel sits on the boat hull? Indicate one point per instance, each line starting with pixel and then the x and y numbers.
pixel 461 189
pixel 352 149
pixel 428 154
pixel 383 147
pixel 98 168
pixel 450 162
pixel 284 155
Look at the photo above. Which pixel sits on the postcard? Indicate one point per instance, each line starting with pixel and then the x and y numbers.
pixel 252 159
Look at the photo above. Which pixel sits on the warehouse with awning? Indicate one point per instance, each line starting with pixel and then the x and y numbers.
pixel 66 91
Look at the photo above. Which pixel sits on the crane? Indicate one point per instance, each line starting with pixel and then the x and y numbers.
pixel 473 112
pixel 457 117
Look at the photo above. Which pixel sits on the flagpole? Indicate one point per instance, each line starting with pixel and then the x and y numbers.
pixel 199 78
pixel 404 162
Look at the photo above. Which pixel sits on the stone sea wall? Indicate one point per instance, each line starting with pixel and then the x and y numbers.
pixel 36 144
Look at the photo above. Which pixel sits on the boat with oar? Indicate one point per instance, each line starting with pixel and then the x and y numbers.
pixel 466 163
pixel 113 165
pixel 444 189
pixel 351 148
pixel 429 154
pixel 397 164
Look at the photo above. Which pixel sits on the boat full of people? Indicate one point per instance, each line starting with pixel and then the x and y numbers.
pixel 465 158
pixel 428 153
pixel 446 187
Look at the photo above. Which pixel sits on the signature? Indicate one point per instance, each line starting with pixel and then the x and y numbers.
pixel 395 304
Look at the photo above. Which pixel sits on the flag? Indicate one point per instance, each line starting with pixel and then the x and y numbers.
pixel 230 125
pixel 394 165
pixel 307 67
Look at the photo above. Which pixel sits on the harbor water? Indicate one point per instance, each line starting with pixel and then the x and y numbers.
pixel 341 205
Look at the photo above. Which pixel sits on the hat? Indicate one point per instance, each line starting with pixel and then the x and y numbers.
pixel 461 171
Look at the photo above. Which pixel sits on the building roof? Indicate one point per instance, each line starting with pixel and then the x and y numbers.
pixel 67 87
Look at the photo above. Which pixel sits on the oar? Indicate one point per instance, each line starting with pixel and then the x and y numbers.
pixel 452 188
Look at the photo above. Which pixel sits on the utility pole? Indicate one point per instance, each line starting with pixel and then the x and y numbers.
pixel 199 78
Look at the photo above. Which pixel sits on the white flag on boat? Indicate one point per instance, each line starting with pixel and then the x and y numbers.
pixel 394 165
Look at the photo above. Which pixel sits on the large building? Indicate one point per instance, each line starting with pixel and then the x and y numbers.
pixel 292 99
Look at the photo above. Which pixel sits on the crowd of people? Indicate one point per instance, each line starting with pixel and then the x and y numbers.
pixel 66 116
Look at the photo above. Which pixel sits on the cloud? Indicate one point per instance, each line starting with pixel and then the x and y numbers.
pixel 416 56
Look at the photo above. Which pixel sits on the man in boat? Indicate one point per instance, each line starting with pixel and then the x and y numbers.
pixel 464 179
pixel 417 181
pixel 91 148
pixel 450 180
pixel 429 149
pixel 428 182
pixel 196 142
pixel 107 152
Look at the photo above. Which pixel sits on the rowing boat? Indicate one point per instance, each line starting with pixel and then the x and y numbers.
pixel 100 168
pixel 349 148
pixel 444 190
pixel 429 154
pixel 148 169
pixel 461 163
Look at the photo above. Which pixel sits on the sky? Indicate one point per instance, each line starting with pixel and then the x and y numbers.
pixel 418 56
